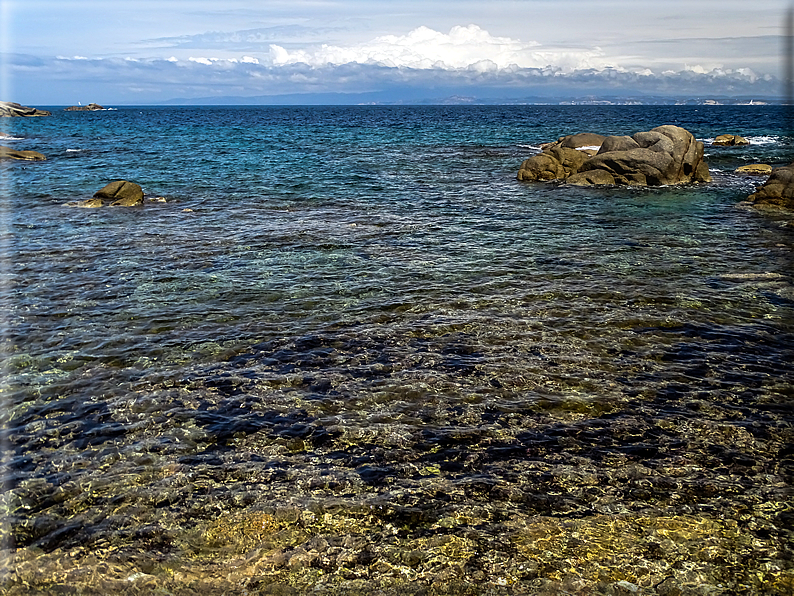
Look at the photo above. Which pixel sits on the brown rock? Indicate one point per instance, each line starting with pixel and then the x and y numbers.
pixel 540 167
pixel 92 107
pixel 122 194
pixel 777 190
pixel 560 159
pixel 592 177
pixel 755 169
pixel 570 159
pixel 729 141
pixel 582 139
pixel 10 109
pixel 702 173
pixel 9 153
pixel 663 156
pixel 618 144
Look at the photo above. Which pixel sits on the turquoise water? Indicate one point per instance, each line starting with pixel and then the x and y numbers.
pixel 338 308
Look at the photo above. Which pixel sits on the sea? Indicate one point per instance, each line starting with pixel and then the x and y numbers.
pixel 343 350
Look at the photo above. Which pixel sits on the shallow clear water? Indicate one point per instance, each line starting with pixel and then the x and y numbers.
pixel 350 308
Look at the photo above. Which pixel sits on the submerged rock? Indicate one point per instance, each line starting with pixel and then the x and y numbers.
pixel 88 204
pixel 754 169
pixel 12 109
pixel 92 107
pixel 9 153
pixel 665 155
pixel 729 141
pixel 778 190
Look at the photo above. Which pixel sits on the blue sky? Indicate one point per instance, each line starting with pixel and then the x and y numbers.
pixel 143 51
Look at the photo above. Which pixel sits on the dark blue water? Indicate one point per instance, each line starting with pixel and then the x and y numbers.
pixel 350 320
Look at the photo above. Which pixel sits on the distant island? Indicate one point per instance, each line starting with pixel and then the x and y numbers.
pixel 92 107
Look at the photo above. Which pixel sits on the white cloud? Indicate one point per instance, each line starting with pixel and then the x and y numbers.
pixel 463 47
pixel 221 61
pixel 697 68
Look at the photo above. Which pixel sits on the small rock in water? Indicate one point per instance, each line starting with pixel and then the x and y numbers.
pixel 118 194
pixel 122 193
pixel 755 169
pixel 9 153
pixel 729 141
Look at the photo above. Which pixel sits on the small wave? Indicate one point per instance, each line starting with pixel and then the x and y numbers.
pixel 757 140
pixel 752 276
pixel 73 150
pixel 9 138
pixel 540 148
pixel 764 140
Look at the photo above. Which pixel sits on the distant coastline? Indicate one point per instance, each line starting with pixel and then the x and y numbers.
pixel 384 98
pixel 377 99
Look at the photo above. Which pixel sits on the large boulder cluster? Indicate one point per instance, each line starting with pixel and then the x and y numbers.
pixel 666 155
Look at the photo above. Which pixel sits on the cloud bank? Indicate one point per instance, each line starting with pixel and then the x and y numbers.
pixel 424 48
pixel 466 60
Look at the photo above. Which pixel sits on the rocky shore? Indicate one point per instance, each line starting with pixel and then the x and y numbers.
pixel 10 109
pixel 9 153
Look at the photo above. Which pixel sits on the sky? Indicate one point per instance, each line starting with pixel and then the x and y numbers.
pixel 122 52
